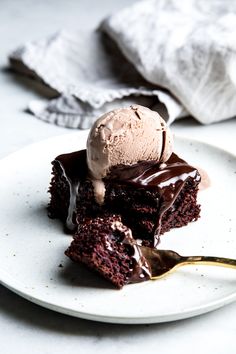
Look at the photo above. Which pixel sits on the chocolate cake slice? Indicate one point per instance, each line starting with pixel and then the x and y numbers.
pixel 150 198
pixel 107 246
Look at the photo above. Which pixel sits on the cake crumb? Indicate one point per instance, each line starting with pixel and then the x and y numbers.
pixel 60 265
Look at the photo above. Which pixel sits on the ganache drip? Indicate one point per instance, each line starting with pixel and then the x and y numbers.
pixel 141 268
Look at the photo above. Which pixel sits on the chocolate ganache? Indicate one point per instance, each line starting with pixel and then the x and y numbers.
pixel 141 269
pixel 166 178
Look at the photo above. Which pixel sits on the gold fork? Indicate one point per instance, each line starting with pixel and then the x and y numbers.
pixel 163 262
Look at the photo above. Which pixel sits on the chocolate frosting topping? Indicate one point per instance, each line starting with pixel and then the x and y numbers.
pixel 151 174
pixel 146 174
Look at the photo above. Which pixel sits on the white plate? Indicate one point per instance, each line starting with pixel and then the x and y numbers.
pixel 32 246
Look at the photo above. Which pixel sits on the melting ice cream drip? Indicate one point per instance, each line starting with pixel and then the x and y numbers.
pixel 73 188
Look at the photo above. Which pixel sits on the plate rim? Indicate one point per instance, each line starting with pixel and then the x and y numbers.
pixel 174 316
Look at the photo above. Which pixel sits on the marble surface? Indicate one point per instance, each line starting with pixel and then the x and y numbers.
pixel 28 328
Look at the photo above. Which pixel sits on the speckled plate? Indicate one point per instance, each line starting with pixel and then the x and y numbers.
pixel 32 246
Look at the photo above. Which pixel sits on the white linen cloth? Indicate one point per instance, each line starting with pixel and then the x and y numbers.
pixel 178 57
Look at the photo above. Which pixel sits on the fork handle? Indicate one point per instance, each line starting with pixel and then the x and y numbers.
pixel 208 260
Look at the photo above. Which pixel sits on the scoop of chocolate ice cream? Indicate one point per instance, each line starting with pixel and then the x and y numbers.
pixel 125 137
